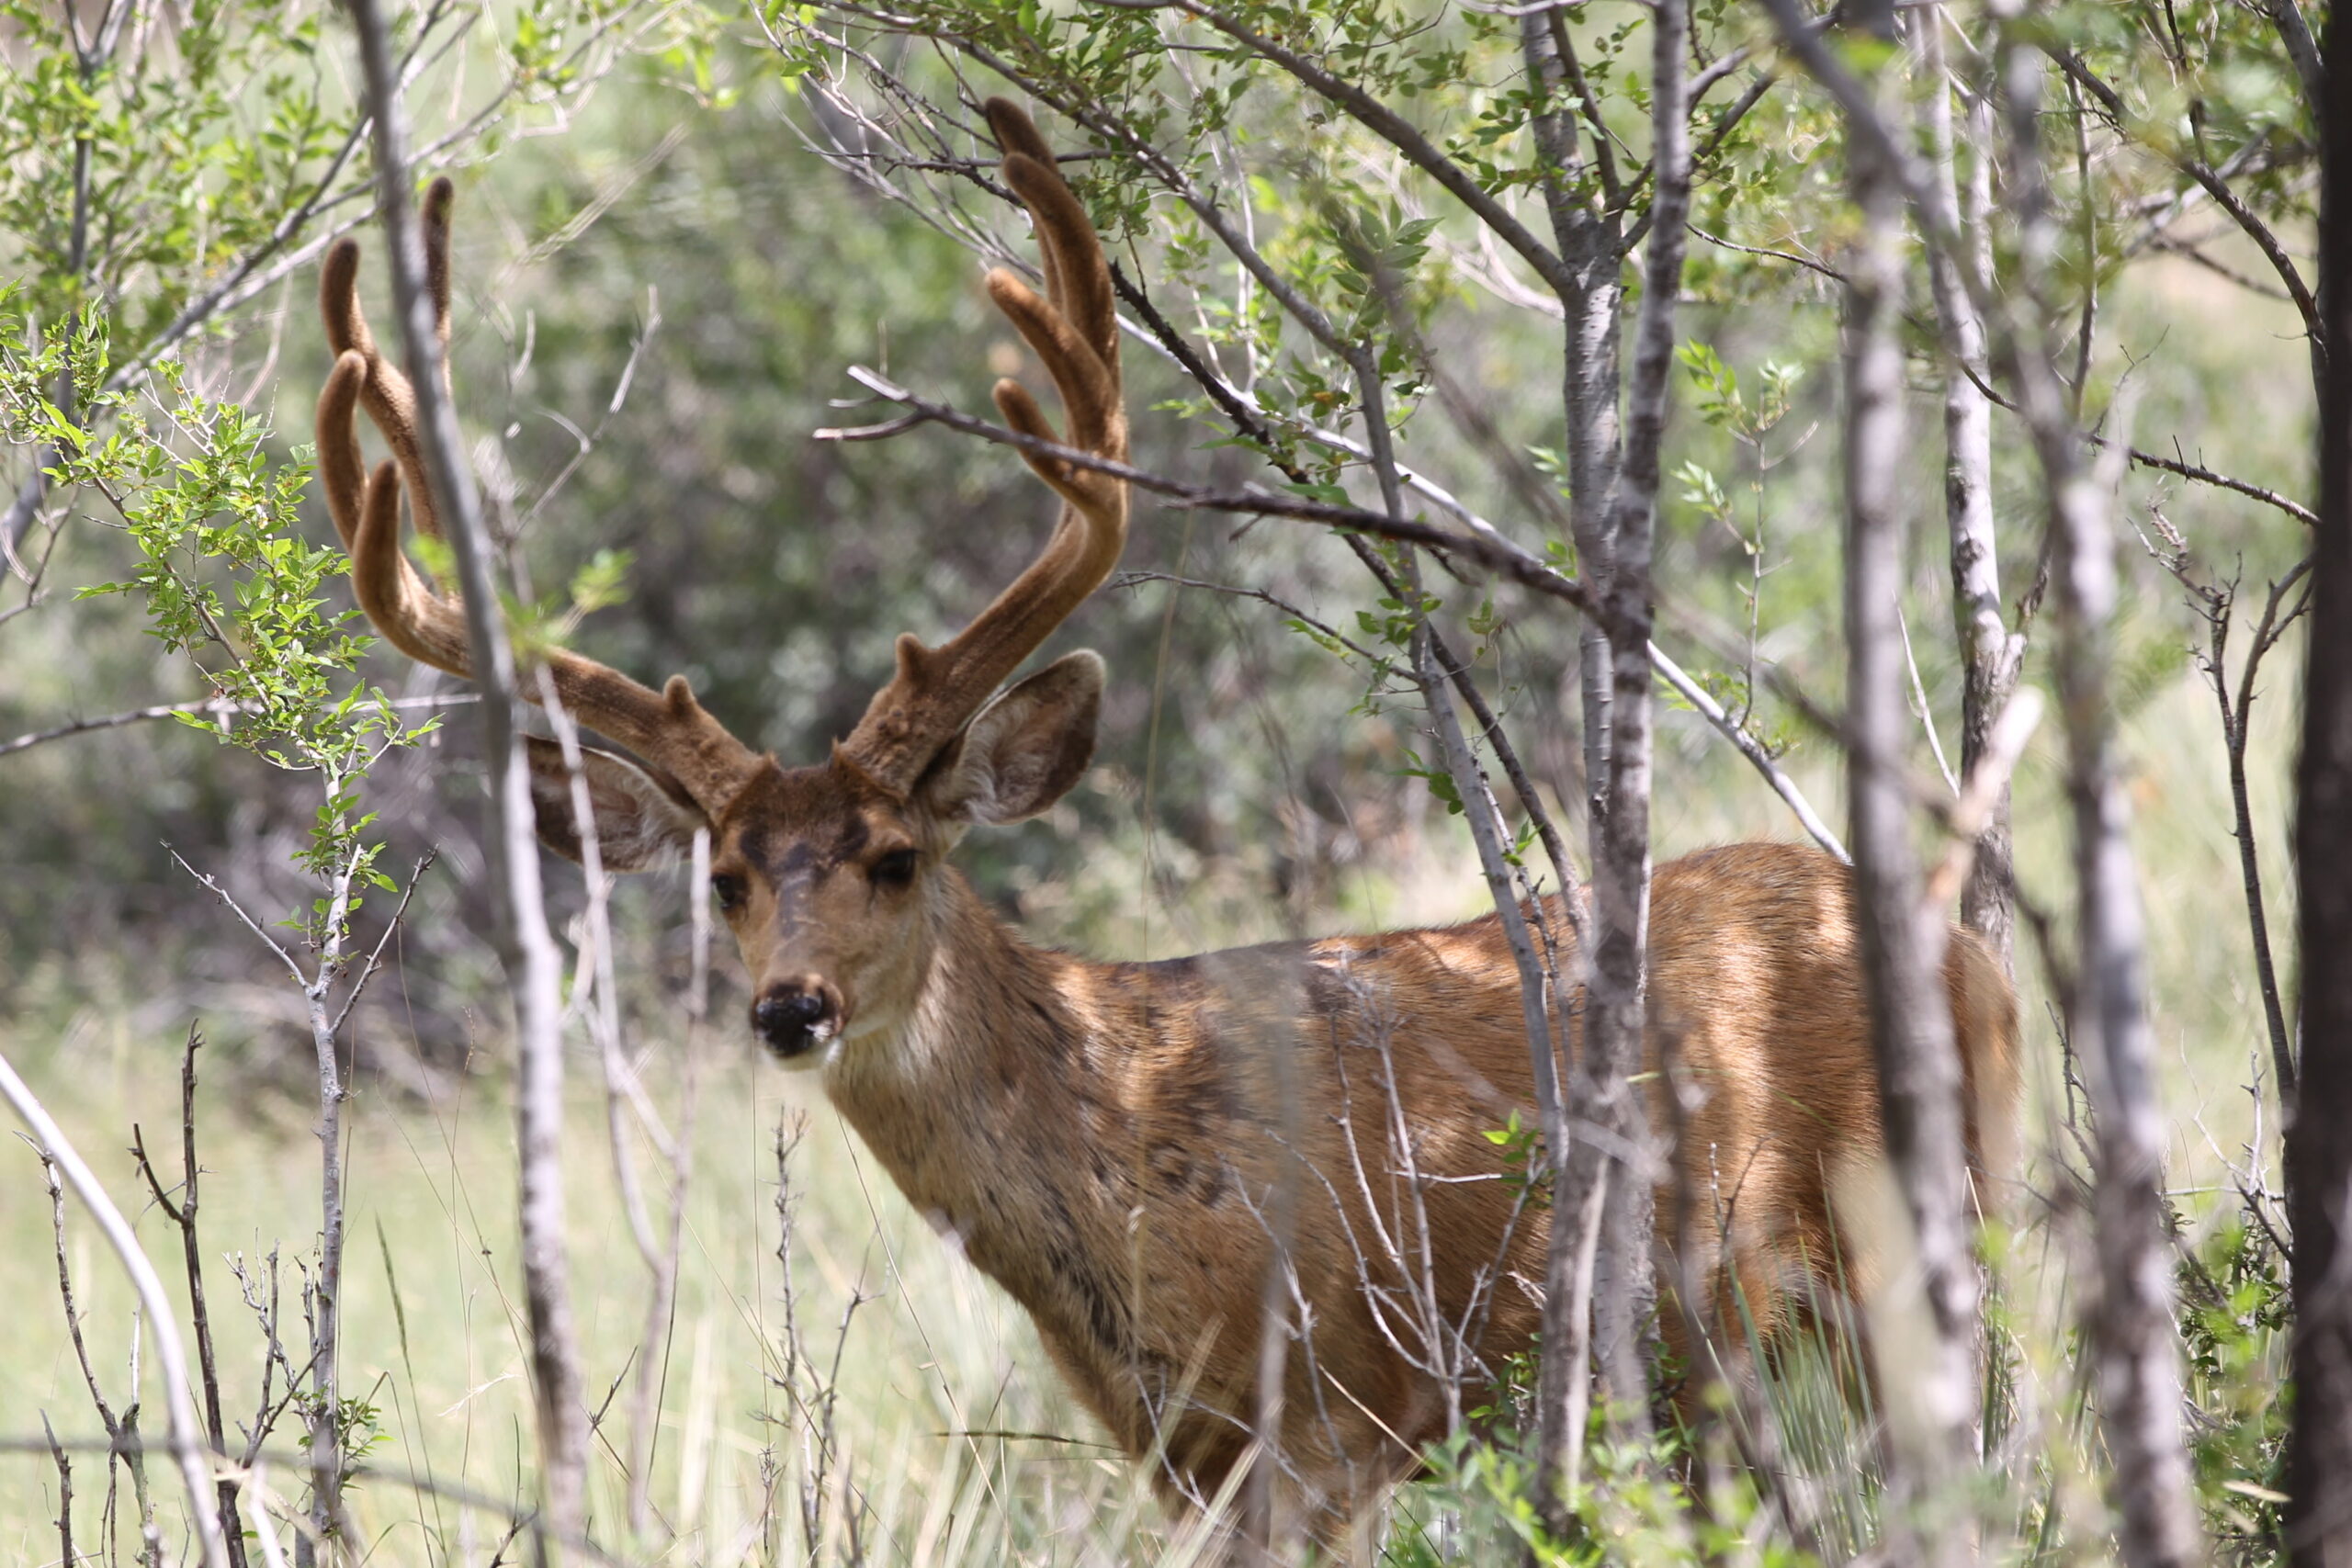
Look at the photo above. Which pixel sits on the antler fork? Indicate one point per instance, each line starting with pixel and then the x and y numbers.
pixel 1075 331
pixel 935 691
pixel 667 728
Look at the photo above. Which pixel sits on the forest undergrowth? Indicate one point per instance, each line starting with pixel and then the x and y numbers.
pixel 892 1405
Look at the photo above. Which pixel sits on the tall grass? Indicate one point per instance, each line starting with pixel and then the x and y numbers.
pixel 951 1436
pixel 950 1440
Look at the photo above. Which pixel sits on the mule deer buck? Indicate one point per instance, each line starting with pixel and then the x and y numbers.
pixel 1105 1139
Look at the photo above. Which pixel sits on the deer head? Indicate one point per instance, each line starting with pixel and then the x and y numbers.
pixel 829 875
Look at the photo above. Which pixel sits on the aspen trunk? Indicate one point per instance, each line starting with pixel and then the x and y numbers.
pixel 2134 1346
pixel 1624 1289
pixel 1902 939
pixel 1988 658
pixel 2133 1337
pixel 1592 246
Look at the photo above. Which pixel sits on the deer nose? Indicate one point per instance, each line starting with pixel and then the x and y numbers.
pixel 791 1018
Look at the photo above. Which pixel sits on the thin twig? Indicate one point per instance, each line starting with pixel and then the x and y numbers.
pixel 1750 747
pixel 1319 628
pixel 238 910
pixel 391 928
pixel 220 706
pixel 186 1437
pixel 1485 546
pixel 183 1215
pixel 65 1494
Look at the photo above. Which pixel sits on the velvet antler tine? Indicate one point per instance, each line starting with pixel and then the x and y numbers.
pixel 396 402
pixel 1086 490
pixel 668 730
pixel 1080 276
pixel 367 510
pixel 390 399
pixel 429 629
pixel 437 200
pixel 343 474
pixel 1089 389
pixel 1016 135
pixel 1015 132
pixel 339 301
pixel 1021 413
pixel 1073 330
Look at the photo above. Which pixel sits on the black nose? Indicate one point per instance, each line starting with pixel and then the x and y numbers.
pixel 788 1019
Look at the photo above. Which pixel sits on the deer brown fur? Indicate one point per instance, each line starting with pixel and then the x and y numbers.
pixel 1120 1145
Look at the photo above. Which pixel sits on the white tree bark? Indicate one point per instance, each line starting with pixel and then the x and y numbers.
pixel 1989 654
pixel 1931 1400
pixel 1616 988
pixel 525 947
pixel 2135 1349
pixel 1576 1275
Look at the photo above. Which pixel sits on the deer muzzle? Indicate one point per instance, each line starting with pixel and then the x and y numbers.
pixel 794 1017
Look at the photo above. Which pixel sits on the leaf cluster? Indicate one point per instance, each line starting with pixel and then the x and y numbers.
pixel 220 565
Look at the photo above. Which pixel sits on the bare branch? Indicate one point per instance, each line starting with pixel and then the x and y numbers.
pixel 525 947
pixel 2216 604
pixel 2214 186
pixel 1808 263
pixel 185 1426
pixel 221 708
pixel 301 979
pixel 2139 458
pixel 1761 759
pixel 183 1216
pixel 1320 629
pixel 391 928
pixel 1483 544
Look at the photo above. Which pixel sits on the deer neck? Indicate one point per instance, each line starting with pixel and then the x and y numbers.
pixel 995 1100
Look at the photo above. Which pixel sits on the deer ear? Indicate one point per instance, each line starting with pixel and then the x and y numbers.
pixel 642 817
pixel 1025 748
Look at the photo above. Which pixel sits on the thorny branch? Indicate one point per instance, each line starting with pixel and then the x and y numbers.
pixel 1481 543
pixel 2216 604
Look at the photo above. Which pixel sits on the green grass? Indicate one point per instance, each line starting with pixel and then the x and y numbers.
pixel 433 1339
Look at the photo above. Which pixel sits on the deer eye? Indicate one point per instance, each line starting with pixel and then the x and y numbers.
pixel 893 870
pixel 728 890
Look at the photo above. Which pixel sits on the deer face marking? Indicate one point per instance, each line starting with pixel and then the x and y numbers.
pixel 822 879
pixel 828 879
